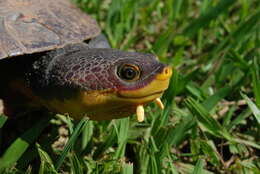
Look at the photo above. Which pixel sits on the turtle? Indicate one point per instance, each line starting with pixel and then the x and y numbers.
pixel 53 56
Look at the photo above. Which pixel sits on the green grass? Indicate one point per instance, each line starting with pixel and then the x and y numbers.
pixel 211 123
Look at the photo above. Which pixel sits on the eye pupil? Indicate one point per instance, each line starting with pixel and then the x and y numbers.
pixel 128 72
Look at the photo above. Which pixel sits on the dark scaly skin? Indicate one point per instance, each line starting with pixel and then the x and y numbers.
pixel 64 73
pixel 78 67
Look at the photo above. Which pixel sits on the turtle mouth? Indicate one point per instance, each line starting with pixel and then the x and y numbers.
pixel 155 94
pixel 142 99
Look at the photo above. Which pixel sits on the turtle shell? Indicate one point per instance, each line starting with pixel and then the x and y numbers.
pixel 30 26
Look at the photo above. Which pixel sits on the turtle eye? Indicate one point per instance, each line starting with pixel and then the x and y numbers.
pixel 129 72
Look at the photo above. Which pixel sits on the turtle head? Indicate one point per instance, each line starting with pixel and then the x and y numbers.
pixel 106 83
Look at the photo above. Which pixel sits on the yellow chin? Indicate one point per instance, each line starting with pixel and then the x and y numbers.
pixel 108 104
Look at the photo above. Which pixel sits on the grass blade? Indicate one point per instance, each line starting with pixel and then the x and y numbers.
pixel 71 142
pixel 122 134
pixel 46 165
pixel 211 101
pixel 209 15
pixel 87 134
pixel 3 119
pixel 238 36
pixel 76 167
pixel 127 168
pixel 20 145
pixel 199 167
pixel 206 120
pixel 256 83
pixel 255 110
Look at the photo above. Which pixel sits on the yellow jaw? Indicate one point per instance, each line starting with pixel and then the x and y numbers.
pixel 108 104
pixel 152 91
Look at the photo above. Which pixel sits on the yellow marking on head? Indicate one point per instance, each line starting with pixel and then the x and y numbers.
pixel 158 85
pixel 165 74
pixel 109 104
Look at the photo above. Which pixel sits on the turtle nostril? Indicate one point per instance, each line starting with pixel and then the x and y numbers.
pixel 167 71
pixel 165 74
